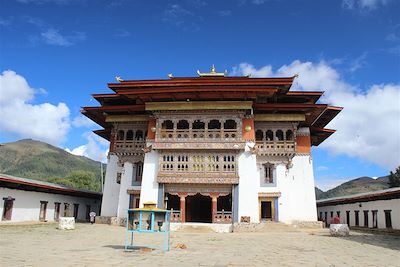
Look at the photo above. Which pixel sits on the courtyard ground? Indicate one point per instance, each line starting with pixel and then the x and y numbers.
pixel 102 245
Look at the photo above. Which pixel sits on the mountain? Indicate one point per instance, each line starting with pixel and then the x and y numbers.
pixel 40 161
pixel 355 186
pixel 318 193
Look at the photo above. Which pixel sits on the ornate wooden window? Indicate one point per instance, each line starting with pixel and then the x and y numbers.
pixel 268 173
pixel 139 171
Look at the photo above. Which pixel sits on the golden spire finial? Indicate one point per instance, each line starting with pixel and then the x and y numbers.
pixel 213 72
pixel 212 68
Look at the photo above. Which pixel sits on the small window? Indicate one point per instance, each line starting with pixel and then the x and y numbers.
pixel 230 124
pixel 121 135
pixel 198 125
pixel 118 177
pixel 268 173
pixel 139 135
pixel 269 135
pixel 167 125
pixel 331 214
pixel 289 135
pixel 279 135
pixel 139 171
pixel 259 135
pixel 129 135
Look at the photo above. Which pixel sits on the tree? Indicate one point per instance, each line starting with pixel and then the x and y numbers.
pixel 79 179
pixel 394 178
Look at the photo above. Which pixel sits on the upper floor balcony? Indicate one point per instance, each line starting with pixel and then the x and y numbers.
pixel 129 139
pixel 275 142
pixel 199 133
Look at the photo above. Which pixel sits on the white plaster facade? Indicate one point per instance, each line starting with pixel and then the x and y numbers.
pixel 26 204
pixel 294 184
pixel 392 205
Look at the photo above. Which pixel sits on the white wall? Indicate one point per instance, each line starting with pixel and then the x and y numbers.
pixel 248 185
pixel 126 181
pixel 111 188
pixel 379 205
pixel 296 185
pixel 26 205
pixel 149 187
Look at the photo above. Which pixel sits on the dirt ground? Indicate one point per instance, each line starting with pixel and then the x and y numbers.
pixel 102 245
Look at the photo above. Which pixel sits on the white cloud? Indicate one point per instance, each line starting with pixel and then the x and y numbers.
pixel 248 69
pixel 46 122
pixel 53 37
pixel 82 121
pixel 96 148
pixel 369 125
pixel 322 168
pixel 363 4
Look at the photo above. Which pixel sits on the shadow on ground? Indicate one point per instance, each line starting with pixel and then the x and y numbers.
pixel 380 240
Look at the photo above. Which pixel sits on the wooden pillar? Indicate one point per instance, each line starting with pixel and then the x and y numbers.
pixel 214 201
pixel 183 207
pixel 214 207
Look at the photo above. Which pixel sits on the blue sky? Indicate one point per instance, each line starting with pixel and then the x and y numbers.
pixel 55 53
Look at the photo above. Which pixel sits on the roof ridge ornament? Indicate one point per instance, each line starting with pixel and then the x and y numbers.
pixel 212 73
pixel 119 79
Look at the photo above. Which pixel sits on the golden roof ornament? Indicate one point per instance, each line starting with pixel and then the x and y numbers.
pixel 212 73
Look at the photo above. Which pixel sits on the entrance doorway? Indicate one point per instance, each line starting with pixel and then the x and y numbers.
pixel 198 209
pixel 7 208
pixel 266 210
pixel 42 213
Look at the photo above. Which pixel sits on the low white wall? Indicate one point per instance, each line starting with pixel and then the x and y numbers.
pixel 26 206
pixel 149 186
pixel 111 188
pixel 379 205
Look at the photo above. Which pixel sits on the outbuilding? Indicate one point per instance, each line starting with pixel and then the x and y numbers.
pixel 31 200
pixel 377 209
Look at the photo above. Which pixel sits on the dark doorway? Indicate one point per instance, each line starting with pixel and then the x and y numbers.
pixel 7 209
pixel 366 220
pixel 348 217
pixel 172 202
pixel 76 207
pixel 198 209
pixel 57 211
pixel 266 210
pixel 87 217
pixel 43 209
pixel 388 218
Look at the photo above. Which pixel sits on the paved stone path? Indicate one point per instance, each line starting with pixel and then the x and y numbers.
pixel 102 245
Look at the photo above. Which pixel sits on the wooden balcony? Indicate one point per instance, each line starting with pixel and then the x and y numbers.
pixel 198 168
pixel 129 146
pixel 199 139
pixel 222 217
pixel 276 148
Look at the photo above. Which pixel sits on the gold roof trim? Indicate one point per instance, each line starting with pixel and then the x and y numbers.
pixel 212 73
pixel 279 117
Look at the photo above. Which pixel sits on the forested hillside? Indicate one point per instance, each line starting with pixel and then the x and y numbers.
pixel 40 161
